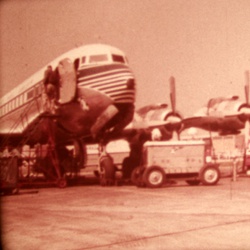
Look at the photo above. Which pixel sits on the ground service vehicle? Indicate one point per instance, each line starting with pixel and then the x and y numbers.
pixel 190 160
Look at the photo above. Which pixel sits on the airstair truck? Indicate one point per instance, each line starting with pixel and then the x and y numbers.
pixel 188 160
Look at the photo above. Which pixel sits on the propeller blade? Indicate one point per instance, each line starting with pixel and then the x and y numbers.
pixel 172 93
pixel 247 86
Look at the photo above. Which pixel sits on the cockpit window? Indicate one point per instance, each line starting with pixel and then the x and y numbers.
pixel 98 58
pixel 118 58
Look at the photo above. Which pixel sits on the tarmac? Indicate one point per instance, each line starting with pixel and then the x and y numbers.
pixel 89 216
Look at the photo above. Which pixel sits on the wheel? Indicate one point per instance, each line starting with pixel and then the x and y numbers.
pixel 154 177
pixel 209 175
pixel 193 182
pixel 107 171
pixel 62 183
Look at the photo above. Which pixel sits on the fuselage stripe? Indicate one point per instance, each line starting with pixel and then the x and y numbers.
pixel 85 76
pixel 100 81
pixel 110 79
pixel 101 84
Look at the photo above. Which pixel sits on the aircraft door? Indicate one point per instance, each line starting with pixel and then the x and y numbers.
pixel 67 73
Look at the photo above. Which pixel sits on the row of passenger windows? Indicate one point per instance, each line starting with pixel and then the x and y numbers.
pixel 21 99
pixel 36 90
pixel 102 58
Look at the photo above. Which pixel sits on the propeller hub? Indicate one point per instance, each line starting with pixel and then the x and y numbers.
pixel 244 112
pixel 174 121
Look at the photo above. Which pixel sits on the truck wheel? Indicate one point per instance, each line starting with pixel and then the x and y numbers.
pixel 193 182
pixel 154 177
pixel 210 175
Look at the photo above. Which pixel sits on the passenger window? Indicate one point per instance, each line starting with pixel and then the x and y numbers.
pixel 118 58
pixel 98 58
pixel 21 99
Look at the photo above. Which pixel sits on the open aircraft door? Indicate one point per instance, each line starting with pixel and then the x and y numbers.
pixel 67 73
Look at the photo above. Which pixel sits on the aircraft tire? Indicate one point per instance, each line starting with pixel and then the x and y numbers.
pixel 154 177
pixel 209 175
pixel 62 183
pixel 107 171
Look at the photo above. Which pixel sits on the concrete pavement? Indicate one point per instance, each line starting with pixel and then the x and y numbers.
pixel 89 216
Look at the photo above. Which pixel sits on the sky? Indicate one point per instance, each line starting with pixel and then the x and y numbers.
pixel 204 44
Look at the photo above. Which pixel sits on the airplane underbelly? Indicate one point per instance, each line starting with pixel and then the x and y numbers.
pixel 79 116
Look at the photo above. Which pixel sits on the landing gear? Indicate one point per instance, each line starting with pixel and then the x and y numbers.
pixel 107 169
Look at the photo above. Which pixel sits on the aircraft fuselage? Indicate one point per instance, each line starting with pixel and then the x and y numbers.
pixel 104 99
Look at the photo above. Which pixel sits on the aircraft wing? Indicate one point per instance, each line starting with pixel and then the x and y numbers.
pixel 149 124
pixel 151 128
pixel 243 115
pixel 223 125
